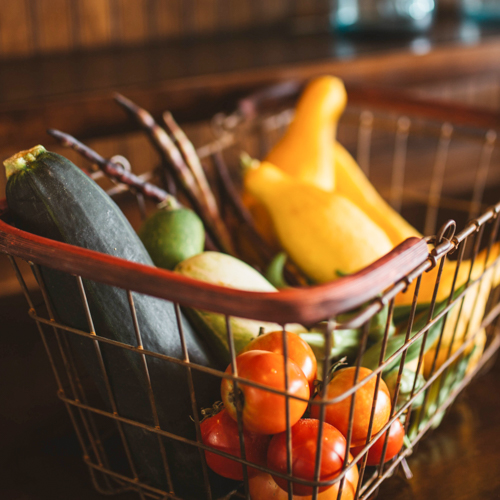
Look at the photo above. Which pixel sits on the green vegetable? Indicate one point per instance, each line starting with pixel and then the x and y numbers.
pixel 224 270
pixel 405 387
pixel 49 196
pixel 371 357
pixel 172 234
pixel 275 271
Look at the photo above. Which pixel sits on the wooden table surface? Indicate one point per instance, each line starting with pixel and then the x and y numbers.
pixel 40 458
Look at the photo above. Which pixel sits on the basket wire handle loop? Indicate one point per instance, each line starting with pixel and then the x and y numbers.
pixel 444 243
pixel 107 384
pixel 66 361
pixel 192 394
pixel 151 395
pixel 237 401
pixel 324 396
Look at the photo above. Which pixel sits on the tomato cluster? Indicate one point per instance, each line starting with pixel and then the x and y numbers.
pixel 264 415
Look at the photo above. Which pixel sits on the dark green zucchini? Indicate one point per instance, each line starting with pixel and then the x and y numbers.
pixel 51 197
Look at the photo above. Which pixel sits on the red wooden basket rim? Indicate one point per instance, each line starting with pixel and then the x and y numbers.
pixel 305 305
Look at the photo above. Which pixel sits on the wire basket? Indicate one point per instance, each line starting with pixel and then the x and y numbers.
pixel 411 157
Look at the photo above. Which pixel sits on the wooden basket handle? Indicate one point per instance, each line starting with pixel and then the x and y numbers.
pixel 306 305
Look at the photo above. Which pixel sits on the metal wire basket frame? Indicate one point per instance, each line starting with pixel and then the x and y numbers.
pixel 367 293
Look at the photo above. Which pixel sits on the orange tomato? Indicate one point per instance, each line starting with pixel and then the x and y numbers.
pixel 299 351
pixel 262 486
pixel 337 414
pixel 264 412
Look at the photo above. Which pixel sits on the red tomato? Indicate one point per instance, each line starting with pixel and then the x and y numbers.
pixel 304 435
pixel 221 433
pixel 394 444
pixel 337 414
pixel 262 486
pixel 299 351
pixel 264 412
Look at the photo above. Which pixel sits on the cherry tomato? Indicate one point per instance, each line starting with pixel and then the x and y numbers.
pixel 264 412
pixel 262 486
pixel 299 351
pixel 337 414
pixel 394 444
pixel 304 435
pixel 221 432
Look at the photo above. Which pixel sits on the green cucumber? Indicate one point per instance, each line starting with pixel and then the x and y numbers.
pixel 172 234
pixel 225 270
pixel 49 196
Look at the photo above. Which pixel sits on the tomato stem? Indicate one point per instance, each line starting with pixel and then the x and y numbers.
pixel 238 400
pixel 217 407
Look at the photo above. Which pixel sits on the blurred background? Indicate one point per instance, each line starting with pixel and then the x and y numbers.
pixel 61 61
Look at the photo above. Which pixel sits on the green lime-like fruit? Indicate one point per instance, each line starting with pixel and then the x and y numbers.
pixel 172 234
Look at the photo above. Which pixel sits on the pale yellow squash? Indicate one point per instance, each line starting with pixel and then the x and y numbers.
pixel 324 233
pixel 353 183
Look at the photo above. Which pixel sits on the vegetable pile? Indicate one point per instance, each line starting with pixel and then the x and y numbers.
pixel 317 218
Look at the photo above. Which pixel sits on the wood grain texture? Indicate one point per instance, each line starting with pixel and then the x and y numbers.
pixel 15 28
pixel 166 18
pixel 96 20
pixel 132 20
pixel 204 17
pixel 53 19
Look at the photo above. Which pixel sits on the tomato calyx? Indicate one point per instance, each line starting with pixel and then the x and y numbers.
pixel 319 384
pixel 206 413
pixel 237 399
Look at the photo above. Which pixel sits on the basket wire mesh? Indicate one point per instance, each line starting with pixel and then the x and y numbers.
pixel 96 426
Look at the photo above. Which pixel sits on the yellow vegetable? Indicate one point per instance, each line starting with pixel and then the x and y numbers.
pixel 463 321
pixel 323 233
pixel 429 279
pixel 306 151
pixel 353 183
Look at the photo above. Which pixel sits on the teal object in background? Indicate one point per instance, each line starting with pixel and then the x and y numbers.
pixel 482 10
pixel 382 15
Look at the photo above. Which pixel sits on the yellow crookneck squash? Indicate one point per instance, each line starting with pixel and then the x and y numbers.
pixel 324 233
pixel 308 152
pixel 305 152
